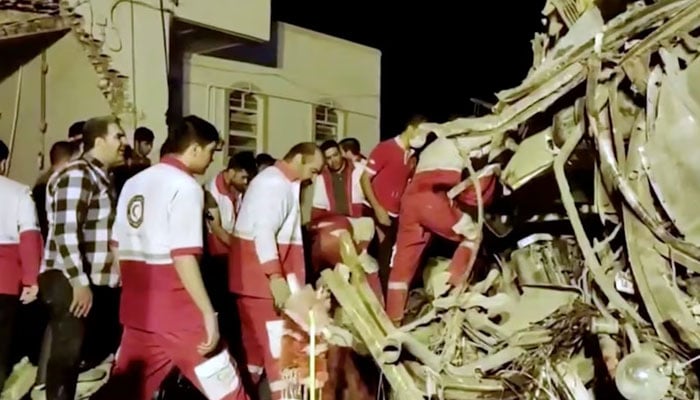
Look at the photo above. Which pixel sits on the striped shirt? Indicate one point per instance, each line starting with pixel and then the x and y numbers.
pixel 80 211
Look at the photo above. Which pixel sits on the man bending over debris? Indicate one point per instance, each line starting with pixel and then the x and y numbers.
pixel 427 210
pixel 266 259
pixel 338 205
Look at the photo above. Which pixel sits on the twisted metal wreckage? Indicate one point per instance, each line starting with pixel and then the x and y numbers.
pixel 614 302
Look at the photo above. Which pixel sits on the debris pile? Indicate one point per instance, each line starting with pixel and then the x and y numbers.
pixel 598 296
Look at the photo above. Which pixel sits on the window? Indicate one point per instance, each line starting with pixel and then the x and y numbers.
pixel 326 122
pixel 243 121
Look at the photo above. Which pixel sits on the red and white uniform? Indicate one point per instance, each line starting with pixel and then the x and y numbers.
pixel 266 240
pixel 324 200
pixel 159 217
pixel 425 211
pixel 390 166
pixel 228 201
pixel 325 245
pixel 20 238
pixel 326 221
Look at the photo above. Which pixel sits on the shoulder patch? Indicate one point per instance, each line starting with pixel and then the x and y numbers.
pixel 135 210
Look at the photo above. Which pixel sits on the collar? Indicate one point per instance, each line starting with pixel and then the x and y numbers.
pixel 347 168
pixel 224 188
pixel 397 140
pixel 174 162
pixel 287 170
pixel 407 152
pixel 94 161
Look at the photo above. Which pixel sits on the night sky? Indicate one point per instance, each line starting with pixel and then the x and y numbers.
pixel 435 56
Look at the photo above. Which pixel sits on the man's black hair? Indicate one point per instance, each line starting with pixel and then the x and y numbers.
pixel 329 144
pixel 245 161
pixel 264 159
pixel 76 130
pixel 350 144
pixel 143 134
pixel 191 129
pixel 61 151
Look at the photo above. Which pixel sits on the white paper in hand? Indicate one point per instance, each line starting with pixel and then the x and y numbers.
pixel 218 376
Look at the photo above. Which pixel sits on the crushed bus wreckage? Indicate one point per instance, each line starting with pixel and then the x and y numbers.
pixel 587 280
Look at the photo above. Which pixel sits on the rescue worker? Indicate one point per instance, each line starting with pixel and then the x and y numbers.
pixel 222 201
pixel 338 202
pixel 78 277
pixel 266 259
pixel 168 318
pixel 426 210
pixel 223 196
pixel 388 169
pixel 350 148
pixel 20 257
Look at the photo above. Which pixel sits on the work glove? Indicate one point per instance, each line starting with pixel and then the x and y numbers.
pixel 280 291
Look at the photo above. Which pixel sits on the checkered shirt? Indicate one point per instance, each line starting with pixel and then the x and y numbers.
pixel 80 204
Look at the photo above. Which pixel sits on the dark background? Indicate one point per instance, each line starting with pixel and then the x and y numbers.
pixel 436 55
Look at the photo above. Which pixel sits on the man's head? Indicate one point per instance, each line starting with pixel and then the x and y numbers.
pixel 143 141
pixel 264 160
pixel 75 135
pixel 105 139
pixel 61 152
pixel 240 170
pixel 4 156
pixel 306 159
pixel 350 148
pixel 193 141
pixel 413 136
pixel 331 151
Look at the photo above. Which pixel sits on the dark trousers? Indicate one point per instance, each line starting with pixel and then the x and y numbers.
pixel 8 312
pixel 97 335
pixel 215 277
pixel 384 250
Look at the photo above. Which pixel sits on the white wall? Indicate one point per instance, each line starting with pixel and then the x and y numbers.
pixel 312 67
pixel 72 94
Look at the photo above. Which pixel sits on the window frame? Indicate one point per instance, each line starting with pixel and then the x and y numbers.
pixel 254 117
pixel 327 107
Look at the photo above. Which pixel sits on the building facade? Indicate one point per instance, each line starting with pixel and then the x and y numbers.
pixel 322 88
pixel 265 85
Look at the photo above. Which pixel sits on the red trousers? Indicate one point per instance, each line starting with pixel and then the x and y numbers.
pixel 262 338
pixel 146 358
pixel 325 247
pixel 424 214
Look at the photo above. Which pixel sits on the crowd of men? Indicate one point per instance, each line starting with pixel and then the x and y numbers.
pixel 143 259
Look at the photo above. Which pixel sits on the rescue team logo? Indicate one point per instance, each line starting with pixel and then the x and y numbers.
pixel 134 211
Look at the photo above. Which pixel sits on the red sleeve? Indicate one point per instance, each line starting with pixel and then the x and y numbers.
pixel 30 241
pixel 377 160
pixel 30 251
